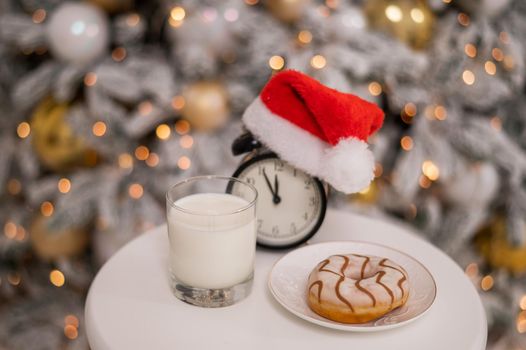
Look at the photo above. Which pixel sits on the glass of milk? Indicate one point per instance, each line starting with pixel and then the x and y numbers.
pixel 212 233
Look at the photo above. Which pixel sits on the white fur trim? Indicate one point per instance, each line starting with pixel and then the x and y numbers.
pixel 348 166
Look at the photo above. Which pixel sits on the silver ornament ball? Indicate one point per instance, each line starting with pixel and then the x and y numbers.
pixel 77 33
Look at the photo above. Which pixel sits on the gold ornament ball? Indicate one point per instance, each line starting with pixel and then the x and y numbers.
pixel 493 245
pixel 206 105
pixel 411 21
pixel 113 6
pixel 54 142
pixel 288 11
pixel 50 245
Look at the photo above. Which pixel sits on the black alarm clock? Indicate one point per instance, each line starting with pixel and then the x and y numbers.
pixel 291 204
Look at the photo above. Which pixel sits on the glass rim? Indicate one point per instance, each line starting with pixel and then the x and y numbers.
pixel 211 177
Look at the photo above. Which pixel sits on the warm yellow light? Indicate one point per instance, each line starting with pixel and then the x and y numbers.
pixel 57 278
pixel 490 68
pixel 145 108
pixel 14 186
pixel 23 130
pixel 430 170
pixel 375 88
pixel 393 13
pixel 468 77
pixel 186 141
pixel 163 131
pixel 504 37
pixel 365 190
pixel 424 182
pixel 509 62
pixel 463 19
pixel 407 143
pixel 496 123
pixel 178 102
pixel 417 15
pixel 440 112
pixel 39 16
pixel 10 230
pixel 64 185
pixel 71 320
pixel 20 233
pixel 318 62
pixel 71 332
pixel 305 37
pixel 410 109
pixel 99 129
pixel 46 208
pixel 125 161
pixel 182 127
pixel 276 62
pixel 472 270
pixel 135 191
pixel 486 283
pixel 142 152
pixel 184 163
pixel 90 79
pixel 118 54
pixel 153 160
pixel 133 19
pixel 251 2
pixel 177 13
pixel 470 50
pixel 497 54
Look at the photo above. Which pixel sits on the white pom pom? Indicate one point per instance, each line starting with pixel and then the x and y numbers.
pixel 349 166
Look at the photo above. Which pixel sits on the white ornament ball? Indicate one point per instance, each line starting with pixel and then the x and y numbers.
pixel 77 33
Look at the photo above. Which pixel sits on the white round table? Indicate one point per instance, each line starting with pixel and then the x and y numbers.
pixel 130 305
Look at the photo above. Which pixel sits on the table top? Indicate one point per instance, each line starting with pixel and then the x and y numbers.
pixel 130 305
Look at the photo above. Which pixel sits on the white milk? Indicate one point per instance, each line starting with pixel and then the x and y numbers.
pixel 215 251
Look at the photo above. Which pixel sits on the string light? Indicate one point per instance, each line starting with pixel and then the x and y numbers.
pixel 71 332
pixel 504 37
pixel 490 67
pixel 424 181
pixel 496 123
pixel 446 1
pixel 470 50
pixel 142 152
pixel 39 16
pixel 186 141
pixel 333 4
pixel 178 102
pixel 23 130
pixel 509 62
pixel 133 19
pixel 522 302
pixel 468 77
pixel 184 163
pixel 430 170
pixel 145 108
pixel 177 13
pixel 231 15
pixel 71 320
pixel 406 143
pixel 163 131
pixel 64 185
pixel 440 112
pixel 410 109
pixel 14 278
pixel 486 283
pixel 99 129
pixel 463 19
pixel 20 233
pixel 417 15
pixel 153 160
pixel 14 186
pixel 375 88
pixel 90 79
pixel 182 127
pixel 57 278
pixel 10 230
pixel 118 54
pixel 251 2
pixel 304 37
pixel 125 161
pixel 46 208
pixel 393 13
pixel 472 270
pixel 318 62
pixel 497 54
pixel 135 191
pixel 276 62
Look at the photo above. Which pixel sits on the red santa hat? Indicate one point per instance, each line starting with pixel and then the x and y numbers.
pixel 317 129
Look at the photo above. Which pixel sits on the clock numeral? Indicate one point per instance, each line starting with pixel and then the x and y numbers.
pixel 306 216
pixel 275 230
pixel 251 180
pixel 278 165
pixel 312 201
pixel 293 228
pixel 308 182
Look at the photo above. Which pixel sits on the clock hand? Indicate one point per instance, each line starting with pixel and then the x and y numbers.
pixel 268 183
pixel 276 198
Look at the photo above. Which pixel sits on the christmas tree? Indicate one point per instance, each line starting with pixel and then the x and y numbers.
pixel 106 103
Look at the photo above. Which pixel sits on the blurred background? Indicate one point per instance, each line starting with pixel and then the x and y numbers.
pixel 106 103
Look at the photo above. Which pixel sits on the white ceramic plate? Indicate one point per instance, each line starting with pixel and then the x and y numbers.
pixel 288 284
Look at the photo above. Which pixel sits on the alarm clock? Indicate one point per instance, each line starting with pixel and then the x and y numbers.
pixel 291 204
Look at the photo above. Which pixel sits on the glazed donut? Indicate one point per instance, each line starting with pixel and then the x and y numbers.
pixel 356 288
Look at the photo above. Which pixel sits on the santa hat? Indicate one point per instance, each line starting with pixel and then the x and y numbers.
pixel 317 129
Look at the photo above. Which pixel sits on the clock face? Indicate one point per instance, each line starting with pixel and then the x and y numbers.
pixel 290 205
